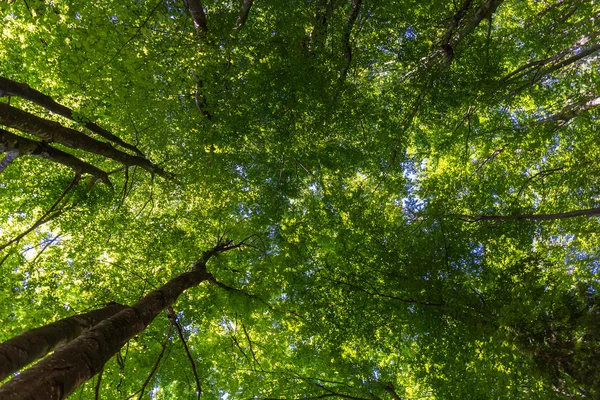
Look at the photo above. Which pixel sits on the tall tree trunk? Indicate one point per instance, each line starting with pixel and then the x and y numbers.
pixel 59 374
pixel 24 91
pixel 11 144
pixel 51 131
pixel 28 346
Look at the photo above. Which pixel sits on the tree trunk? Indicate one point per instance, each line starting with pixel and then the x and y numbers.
pixel 11 144
pixel 28 346
pixel 51 131
pixel 24 91
pixel 58 375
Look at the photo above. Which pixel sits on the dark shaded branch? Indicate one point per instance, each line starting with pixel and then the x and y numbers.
pixel 491 157
pixel 200 98
pixel 536 175
pixel 250 344
pixel 50 131
pixel 391 390
pixel 456 20
pixel 591 212
pixel 323 13
pixel 97 388
pixel 14 144
pixel 198 16
pixel 24 91
pixel 485 11
pixel 173 318
pixel 346 47
pixel 243 15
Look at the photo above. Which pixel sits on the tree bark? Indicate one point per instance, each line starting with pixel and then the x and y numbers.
pixel 58 375
pixel 50 131
pixel 8 158
pixel 198 16
pixel 28 346
pixel 24 91
pixel 11 144
pixel 243 16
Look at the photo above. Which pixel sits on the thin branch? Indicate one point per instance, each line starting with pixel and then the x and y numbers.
pixel 491 157
pixel 97 388
pixel 591 212
pixel 173 318
pixel 156 363
pixel 377 293
pixel 138 30
pixel 47 215
pixel 250 344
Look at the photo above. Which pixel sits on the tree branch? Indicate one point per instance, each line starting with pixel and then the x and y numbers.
pixel 50 131
pixel 591 212
pixel 173 318
pixel 14 144
pixel 243 15
pixel 156 363
pixel 47 215
pixel 24 91
pixel 198 16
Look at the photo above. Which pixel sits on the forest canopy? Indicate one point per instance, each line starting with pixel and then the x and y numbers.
pixel 303 199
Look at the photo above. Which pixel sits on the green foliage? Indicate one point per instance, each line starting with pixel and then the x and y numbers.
pixel 365 276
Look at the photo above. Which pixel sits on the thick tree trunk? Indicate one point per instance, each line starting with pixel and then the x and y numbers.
pixel 51 131
pixel 24 91
pixel 11 144
pixel 27 347
pixel 58 375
